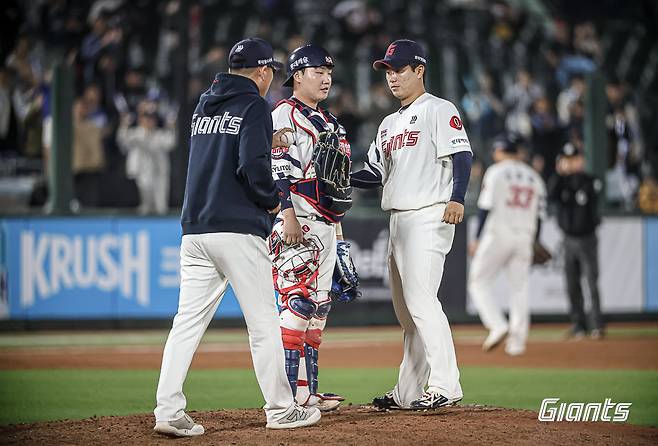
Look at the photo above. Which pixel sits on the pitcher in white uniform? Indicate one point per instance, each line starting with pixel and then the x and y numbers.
pixel 512 202
pixel 422 158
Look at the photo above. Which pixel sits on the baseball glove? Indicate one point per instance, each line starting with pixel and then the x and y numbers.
pixel 540 254
pixel 345 280
pixel 332 167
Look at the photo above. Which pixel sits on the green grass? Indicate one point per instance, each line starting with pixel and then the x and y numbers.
pixel 237 336
pixel 39 395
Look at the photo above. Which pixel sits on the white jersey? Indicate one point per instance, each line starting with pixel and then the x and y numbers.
pixel 515 196
pixel 412 153
pixel 294 162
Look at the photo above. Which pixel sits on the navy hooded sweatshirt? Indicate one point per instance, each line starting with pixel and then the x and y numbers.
pixel 229 185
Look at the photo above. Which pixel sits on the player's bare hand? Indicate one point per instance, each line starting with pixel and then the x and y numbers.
pixel 275 210
pixel 283 137
pixel 472 247
pixel 454 213
pixel 292 230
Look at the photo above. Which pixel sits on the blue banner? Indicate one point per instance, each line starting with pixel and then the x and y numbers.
pixel 651 263
pixel 97 268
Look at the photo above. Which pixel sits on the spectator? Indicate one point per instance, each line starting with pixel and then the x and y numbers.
pixel 147 148
pixel 546 137
pixel 484 111
pixel 88 154
pixel 575 92
pixel 8 121
pixel 518 100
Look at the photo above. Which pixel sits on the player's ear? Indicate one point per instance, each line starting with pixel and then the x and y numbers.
pixel 420 71
pixel 298 75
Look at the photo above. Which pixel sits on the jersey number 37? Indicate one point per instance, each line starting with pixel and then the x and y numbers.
pixel 520 197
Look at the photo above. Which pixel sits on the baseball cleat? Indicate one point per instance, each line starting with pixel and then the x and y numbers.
pixel 597 334
pixel 515 350
pixel 182 427
pixel 495 337
pixel 432 400
pixel 385 402
pixel 296 416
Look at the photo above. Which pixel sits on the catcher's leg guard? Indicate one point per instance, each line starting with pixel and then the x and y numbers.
pixel 312 344
pixel 295 316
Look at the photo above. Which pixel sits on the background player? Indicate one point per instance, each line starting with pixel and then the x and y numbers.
pixel 225 222
pixel 310 213
pixel 422 157
pixel 512 200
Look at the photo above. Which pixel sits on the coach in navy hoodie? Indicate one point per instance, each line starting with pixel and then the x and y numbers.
pixel 229 184
pixel 229 197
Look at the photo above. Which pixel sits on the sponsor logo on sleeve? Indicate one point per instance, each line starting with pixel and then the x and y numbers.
pixel 456 123
pixel 279 152
pixel 454 142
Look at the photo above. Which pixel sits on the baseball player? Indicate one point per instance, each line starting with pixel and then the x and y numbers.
pixel 308 225
pixel 422 157
pixel 512 200
pixel 229 200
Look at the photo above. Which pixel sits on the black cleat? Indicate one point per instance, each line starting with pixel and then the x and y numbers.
pixel 385 402
pixel 432 400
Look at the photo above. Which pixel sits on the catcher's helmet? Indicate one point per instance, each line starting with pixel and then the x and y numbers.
pixel 307 56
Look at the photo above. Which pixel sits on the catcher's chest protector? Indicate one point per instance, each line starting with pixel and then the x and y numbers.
pixel 328 192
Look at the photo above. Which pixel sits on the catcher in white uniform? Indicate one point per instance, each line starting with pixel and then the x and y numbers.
pixel 312 175
pixel 422 157
pixel 512 201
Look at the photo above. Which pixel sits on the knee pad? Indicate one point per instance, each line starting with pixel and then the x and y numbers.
pixel 322 311
pixel 300 306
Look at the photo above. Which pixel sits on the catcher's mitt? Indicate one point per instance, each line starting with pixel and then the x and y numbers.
pixel 332 167
pixel 345 280
pixel 540 254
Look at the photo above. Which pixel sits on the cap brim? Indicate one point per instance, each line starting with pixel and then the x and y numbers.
pixel 276 65
pixel 381 64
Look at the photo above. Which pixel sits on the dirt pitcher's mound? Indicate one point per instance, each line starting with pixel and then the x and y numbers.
pixel 349 426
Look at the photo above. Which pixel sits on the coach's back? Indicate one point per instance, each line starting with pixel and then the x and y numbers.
pixel 229 185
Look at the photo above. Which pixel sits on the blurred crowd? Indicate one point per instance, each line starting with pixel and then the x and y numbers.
pixel 140 66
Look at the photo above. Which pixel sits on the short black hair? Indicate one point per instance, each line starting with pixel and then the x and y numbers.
pixel 415 65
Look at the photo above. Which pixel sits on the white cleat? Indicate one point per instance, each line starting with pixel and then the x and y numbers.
pixel 514 350
pixel 182 427
pixel 495 337
pixel 296 416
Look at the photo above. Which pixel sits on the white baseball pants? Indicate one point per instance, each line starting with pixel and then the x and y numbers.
pixel 419 243
pixel 512 253
pixel 208 263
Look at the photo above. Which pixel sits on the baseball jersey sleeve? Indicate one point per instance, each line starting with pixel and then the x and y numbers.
pixel 448 133
pixel 487 194
pixel 287 162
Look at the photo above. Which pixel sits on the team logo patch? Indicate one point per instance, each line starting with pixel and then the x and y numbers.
pixel 413 119
pixel 305 228
pixel 456 123
pixel 391 50
pixel 328 60
pixel 239 48
pixel 279 152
